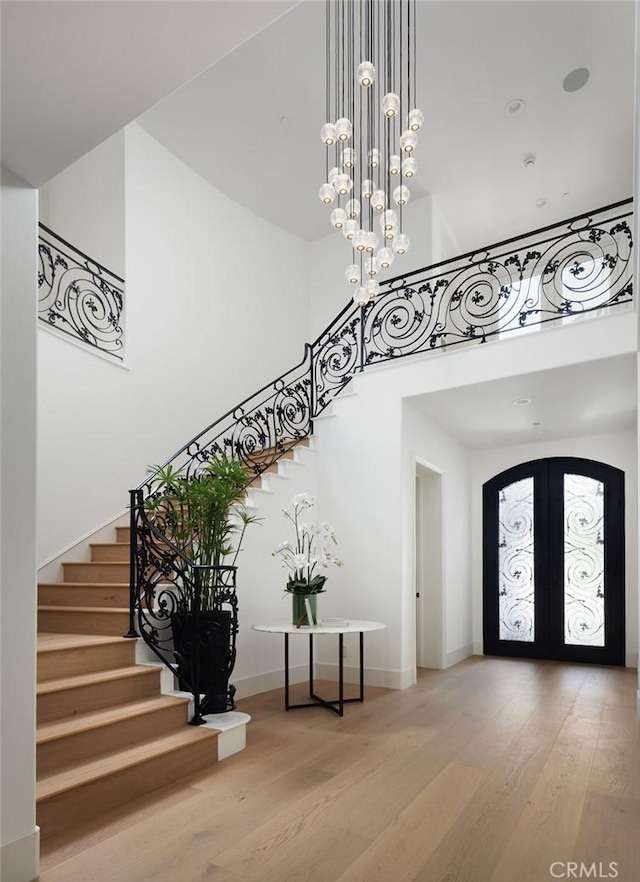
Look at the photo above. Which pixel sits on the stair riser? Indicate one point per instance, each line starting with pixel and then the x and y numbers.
pixel 64 621
pixel 79 804
pixel 78 748
pixel 96 572
pixel 85 660
pixel 109 554
pixel 83 595
pixel 93 696
pixel 123 534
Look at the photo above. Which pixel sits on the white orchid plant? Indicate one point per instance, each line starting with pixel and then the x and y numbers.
pixel 313 548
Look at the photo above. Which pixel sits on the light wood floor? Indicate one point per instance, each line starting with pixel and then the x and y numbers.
pixel 488 772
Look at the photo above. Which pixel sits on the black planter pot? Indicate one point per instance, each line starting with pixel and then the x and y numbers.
pixel 217 658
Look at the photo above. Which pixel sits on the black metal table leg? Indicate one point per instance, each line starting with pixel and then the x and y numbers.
pixel 286 672
pixel 361 666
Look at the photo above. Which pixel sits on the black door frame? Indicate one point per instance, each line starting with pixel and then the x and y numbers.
pixel 548 504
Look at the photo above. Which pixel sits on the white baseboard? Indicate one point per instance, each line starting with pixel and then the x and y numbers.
pixel 631 660
pixel 323 671
pixel 50 570
pixel 19 860
pixel 478 648
pixel 457 655
pixel 372 676
pixel 270 680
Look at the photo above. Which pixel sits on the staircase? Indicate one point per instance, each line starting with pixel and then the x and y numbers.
pixel 105 733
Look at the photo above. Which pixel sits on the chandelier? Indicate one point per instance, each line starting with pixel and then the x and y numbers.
pixel 371 133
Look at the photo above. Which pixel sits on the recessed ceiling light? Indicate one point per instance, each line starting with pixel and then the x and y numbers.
pixel 536 424
pixel 566 195
pixel 521 402
pixel 530 161
pixel 284 120
pixel 575 79
pixel 541 202
pixel 515 106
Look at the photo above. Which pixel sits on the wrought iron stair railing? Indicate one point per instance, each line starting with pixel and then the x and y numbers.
pixel 78 297
pixel 580 266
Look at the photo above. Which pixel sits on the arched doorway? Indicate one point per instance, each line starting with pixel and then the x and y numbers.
pixel 553 549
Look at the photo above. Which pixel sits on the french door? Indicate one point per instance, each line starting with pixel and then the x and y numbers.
pixel 553 580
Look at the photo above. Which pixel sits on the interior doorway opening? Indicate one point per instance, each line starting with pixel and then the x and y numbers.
pixel 429 569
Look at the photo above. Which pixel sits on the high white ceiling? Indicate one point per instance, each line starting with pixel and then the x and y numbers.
pixel 250 124
pixel 586 399
pixel 73 73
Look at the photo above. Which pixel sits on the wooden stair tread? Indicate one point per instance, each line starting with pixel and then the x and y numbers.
pixel 79 680
pixel 85 609
pixel 50 731
pixel 95 563
pixel 109 544
pixel 121 760
pixel 82 584
pixel 51 641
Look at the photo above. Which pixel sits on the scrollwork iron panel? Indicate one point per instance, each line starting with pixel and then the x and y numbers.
pixel 583 265
pixel 78 296
pixel 516 581
pixel 583 561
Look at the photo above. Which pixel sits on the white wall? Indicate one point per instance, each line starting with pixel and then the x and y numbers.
pixel 619 450
pixel 216 306
pixel 18 832
pixel 424 442
pixel 85 204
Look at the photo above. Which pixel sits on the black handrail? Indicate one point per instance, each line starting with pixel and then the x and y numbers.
pixel 519 282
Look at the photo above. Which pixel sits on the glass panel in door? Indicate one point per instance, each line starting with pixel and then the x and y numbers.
pixel 516 582
pixel 583 561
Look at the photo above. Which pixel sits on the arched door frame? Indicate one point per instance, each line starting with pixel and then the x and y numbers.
pixel 548 530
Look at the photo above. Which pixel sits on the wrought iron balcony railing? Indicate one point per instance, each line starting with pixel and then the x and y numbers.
pixel 79 297
pixel 553 274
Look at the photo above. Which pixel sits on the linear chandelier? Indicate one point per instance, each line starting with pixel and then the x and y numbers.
pixel 371 132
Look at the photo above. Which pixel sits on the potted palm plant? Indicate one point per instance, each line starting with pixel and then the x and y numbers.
pixel 203 518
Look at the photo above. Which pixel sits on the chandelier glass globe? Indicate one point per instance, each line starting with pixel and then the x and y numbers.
pixel 372 288
pixel 371 243
pixel 378 200
pixel 401 195
pixel 328 134
pixel 394 165
pixel 333 174
pixel 350 229
pixel 401 244
pixel 388 219
pixel 360 297
pixel 344 129
pixel 343 184
pixel 367 188
pixel 360 240
pixel 374 157
pixel 408 141
pixel 349 157
pixel 366 74
pixel 353 274
pixel 409 166
pixel 385 258
pixel 416 119
pixel 372 266
pixel 327 194
pixel 338 218
pixel 391 105
pixel 352 208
